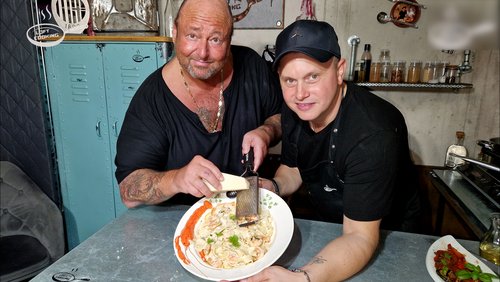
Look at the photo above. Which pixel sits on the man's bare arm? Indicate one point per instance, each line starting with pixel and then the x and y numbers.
pixel 143 187
pixel 272 126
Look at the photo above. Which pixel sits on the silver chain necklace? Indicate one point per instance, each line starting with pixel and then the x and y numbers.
pixel 212 128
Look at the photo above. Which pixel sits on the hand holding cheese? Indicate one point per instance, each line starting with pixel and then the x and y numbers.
pixel 230 183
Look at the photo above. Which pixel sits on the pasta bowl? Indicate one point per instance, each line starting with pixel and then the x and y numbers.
pixel 282 219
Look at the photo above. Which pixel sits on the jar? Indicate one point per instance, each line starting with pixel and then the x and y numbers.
pixel 435 72
pixel 360 67
pixel 452 74
pixel 489 248
pixel 427 72
pixel 414 72
pixel 374 72
pixel 385 72
pixel 357 69
pixel 398 71
pixel 442 71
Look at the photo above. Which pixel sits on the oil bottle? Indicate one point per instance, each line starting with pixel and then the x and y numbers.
pixel 489 248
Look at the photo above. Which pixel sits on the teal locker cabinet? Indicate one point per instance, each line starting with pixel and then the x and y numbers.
pixel 90 86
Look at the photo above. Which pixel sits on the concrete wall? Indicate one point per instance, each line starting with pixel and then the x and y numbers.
pixel 432 116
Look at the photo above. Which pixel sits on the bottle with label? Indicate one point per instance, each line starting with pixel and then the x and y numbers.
pixel 489 248
pixel 366 59
pixel 458 149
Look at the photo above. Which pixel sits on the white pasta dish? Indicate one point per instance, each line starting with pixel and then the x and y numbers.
pixel 222 243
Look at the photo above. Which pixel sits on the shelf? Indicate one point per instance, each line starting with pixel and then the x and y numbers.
pixel 124 38
pixel 444 86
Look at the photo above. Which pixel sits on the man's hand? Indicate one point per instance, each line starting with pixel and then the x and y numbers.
pixel 275 273
pixel 191 178
pixel 262 138
pixel 146 186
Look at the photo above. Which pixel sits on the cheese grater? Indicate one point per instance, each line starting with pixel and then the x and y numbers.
pixel 247 201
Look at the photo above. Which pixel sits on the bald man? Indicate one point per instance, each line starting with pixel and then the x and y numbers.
pixel 197 115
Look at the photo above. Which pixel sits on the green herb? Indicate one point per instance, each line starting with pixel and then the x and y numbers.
pixel 218 234
pixel 463 274
pixel 475 273
pixel 487 277
pixel 210 241
pixel 234 241
pixel 232 217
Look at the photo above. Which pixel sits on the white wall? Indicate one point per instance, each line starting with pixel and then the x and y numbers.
pixel 432 117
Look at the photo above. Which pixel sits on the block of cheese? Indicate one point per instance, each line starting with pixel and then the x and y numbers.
pixel 230 183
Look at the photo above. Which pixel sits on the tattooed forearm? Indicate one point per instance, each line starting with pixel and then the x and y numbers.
pixel 317 260
pixel 142 186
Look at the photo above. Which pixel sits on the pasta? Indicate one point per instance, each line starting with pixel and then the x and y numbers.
pixel 222 243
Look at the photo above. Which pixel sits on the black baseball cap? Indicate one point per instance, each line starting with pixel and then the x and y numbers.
pixel 316 39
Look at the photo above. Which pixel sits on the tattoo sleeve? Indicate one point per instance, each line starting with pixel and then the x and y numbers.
pixel 142 186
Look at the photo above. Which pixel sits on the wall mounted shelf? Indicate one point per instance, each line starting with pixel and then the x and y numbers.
pixel 415 86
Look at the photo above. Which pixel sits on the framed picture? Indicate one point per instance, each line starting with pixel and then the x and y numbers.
pixel 257 14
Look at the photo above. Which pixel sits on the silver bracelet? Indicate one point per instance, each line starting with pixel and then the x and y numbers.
pixel 302 271
pixel 276 187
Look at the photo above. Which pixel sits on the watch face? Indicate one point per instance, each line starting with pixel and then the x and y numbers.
pixel 403 12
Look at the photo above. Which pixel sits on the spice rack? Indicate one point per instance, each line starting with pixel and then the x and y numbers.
pixel 416 86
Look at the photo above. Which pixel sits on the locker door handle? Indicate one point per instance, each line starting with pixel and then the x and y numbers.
pixel 115 128
pixel 98 129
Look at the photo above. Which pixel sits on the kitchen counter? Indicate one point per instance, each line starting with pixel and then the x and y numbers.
pixel 137 246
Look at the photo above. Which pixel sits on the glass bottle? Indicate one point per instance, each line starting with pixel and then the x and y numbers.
pixel 385 56
pixel 489 248
pixel 366 59
pixel 385 72
pixel 458 149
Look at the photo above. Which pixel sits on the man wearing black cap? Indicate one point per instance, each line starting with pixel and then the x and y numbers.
pixel 348 147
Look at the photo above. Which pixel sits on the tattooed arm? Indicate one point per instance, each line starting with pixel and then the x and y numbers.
pixel 338 260
pixel 146 186
pixel 347 254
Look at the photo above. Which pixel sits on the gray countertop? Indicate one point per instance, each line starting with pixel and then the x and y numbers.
pixel 138 246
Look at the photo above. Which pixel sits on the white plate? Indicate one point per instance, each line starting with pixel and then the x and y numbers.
pixel 442 244
pixel 283 226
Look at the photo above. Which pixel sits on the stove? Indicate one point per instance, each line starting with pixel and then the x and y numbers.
pixel 485 180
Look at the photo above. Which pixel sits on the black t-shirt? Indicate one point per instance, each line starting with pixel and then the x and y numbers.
pixel 359 165
pixel 160 133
